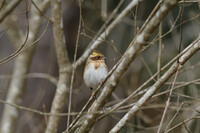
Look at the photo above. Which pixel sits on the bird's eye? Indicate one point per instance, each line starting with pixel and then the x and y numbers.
pixel 98 57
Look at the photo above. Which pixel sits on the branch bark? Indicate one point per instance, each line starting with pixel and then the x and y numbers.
pixel 125 62
pixel 65 68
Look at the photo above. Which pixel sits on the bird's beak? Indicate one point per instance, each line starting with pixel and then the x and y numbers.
pixel 104 57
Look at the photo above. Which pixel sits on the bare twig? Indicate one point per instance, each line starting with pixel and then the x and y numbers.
pixel 107 42
pixel 167 102
pixel 73 71
pixel 159 51
pixel 33 75
pixel 13 55
pixel 8 9
pixel 185 121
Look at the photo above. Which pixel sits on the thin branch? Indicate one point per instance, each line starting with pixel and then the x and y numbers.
pixel 73 71
pixel 13 55
pixel 33 75
pixel 178 111
pixel 179 86
pixel 185 121
pixel 147 67
pixel 107 42
pixel 40 11
pixel 8 9
pixel 159 51
pixel 16 35
pixel 30 110
pixel 168 102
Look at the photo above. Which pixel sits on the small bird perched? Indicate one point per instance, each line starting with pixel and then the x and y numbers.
pixel 95 70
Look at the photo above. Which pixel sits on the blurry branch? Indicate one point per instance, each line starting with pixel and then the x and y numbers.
pixel 124 63
pixel 175 115
pixel 16 35
pixel 2 3
pixel 171 71
pixel 21 67
pixel 179 86
pixel 14 32
pixel 183 122
pixel 33 75
pixel 190 68
pixel 147 67
pixel 199 3
pixel 30 110
pixel 174 27
pixel 73 68
pixel 40 11
pixel 191 113
pixel 13 55
pixel 65 67
pixel 135 20
pixel 168 101
pixel 107 31
pixel 104 9
pixel 160 50
pixel 8 9
pixel 3 32
pixel 107 42
pixel 187 1
pixel 195 112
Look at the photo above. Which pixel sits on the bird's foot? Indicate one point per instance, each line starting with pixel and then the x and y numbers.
pixel 93 94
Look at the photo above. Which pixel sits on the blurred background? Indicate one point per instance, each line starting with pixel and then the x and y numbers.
pixel 39 91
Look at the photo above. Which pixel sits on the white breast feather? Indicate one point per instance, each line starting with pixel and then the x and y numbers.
pixel 94 76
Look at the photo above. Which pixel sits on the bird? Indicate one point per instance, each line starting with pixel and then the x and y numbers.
pixel 95 71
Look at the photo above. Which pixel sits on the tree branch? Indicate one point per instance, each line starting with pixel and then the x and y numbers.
pixel 9 8
pixel 65 67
